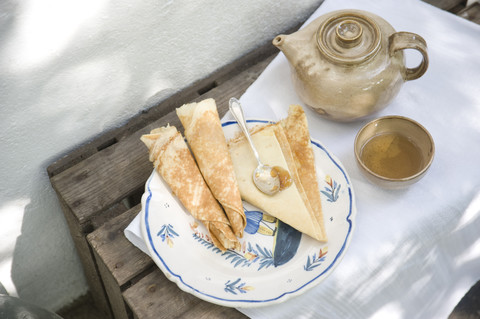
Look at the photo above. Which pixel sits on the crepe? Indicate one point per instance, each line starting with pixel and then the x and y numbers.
pixel 205 137
pixel 290 205
pixel 174 162
pixel 298 135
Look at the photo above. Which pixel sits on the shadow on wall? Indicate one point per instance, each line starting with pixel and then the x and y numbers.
pixel 45 263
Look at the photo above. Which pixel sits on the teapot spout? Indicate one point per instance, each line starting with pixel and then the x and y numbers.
pixel 279 40
pixel 283 43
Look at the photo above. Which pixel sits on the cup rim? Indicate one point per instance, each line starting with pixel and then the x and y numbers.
pixel 389 179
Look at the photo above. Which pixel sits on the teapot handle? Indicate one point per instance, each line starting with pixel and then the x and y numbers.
pixel 408 40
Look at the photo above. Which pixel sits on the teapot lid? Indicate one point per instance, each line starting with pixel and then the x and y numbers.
pixel 349 38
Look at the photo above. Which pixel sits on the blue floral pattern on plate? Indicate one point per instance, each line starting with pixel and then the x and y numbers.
pixel 333 189
pixel 167 233
pixel 236 286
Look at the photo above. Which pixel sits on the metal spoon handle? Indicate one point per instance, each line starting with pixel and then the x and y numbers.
pixel 237 111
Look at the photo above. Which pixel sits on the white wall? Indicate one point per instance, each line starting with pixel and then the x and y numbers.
pixel 70 70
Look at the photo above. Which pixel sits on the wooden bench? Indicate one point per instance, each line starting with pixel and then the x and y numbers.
pixel 99 186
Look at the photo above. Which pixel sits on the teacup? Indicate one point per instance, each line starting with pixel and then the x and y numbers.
pixel 394 151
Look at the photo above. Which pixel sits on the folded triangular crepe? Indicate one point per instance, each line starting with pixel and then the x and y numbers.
pixel 291 205
pixel 205 137
pixel 298 135
pixel 174 162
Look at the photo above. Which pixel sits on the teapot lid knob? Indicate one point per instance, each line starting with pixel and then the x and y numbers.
pixel 348 38
pixel 348 33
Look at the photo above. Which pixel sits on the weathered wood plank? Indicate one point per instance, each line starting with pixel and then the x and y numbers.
pixel 89 266
pixel 157 297
pixel 205 310
pixel 471 12
pixel 103 179
pixel 447 5
pixel 113 291
pixel 117 259
pixel 123 260
pixel 154 296
pixel 105 216
pixel 469 305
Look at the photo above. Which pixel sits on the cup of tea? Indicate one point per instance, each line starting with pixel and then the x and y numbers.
pixel 394 151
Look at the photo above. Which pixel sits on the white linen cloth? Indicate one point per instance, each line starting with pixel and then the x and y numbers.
pixel 414 252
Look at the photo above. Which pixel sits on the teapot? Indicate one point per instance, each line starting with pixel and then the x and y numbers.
pixel 349 64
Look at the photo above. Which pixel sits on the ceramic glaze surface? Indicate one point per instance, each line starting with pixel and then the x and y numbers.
pixel 349 64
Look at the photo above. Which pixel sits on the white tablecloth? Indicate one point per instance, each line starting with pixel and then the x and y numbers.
pixel 414 252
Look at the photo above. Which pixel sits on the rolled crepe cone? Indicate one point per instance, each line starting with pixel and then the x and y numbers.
pixel 204 134
pixel 298 136
pixel 174 162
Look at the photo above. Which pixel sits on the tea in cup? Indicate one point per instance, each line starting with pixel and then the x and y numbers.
pixel 394 151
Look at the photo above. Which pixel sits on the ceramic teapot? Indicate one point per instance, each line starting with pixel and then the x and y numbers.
pixel 348 64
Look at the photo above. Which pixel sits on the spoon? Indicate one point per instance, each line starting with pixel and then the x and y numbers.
pixel 262 175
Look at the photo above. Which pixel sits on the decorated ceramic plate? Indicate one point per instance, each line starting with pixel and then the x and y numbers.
pixel 275 261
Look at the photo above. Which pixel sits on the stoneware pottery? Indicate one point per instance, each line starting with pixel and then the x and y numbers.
pixel 348 64
pixel 394 151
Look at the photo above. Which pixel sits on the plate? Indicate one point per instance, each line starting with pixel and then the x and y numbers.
pixel 275 262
